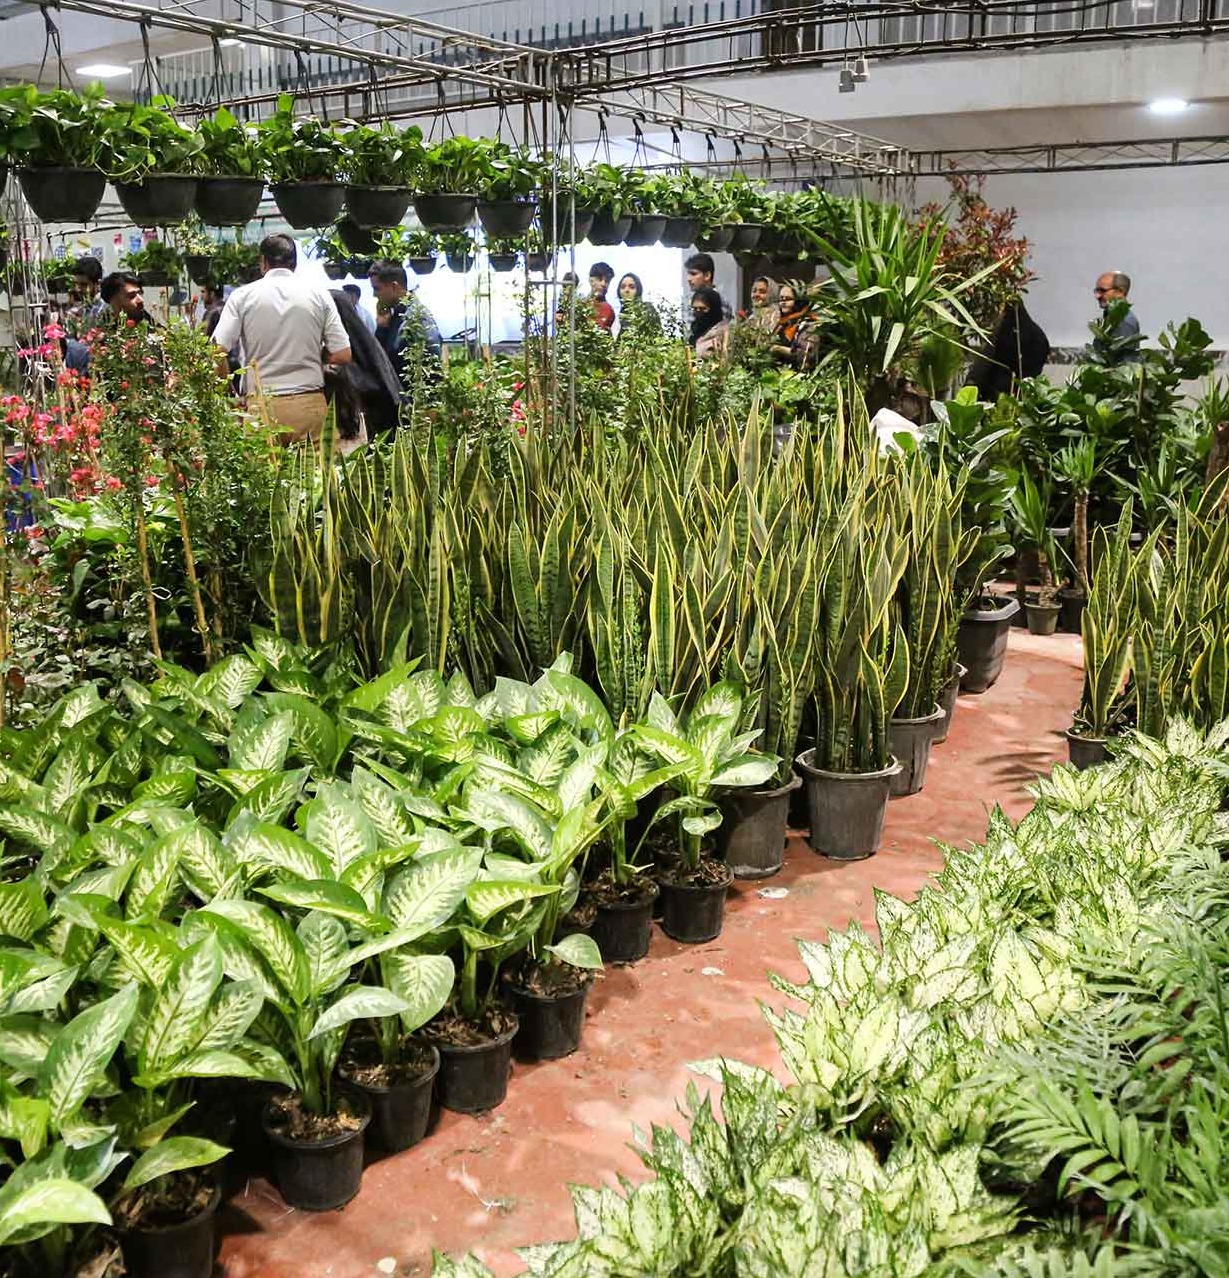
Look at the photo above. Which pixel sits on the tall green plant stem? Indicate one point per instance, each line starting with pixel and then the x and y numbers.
pixel 147 578
pixel 189 558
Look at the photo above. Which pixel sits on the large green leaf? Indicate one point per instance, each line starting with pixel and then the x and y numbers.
pixel 260 843
pixel 323 938
pixel 327 895
pixel 177 1153
pixel 270 935
pixel 263 745
pixel 486 899
pixel 81 1051
pixel 424 981
pixel 360 1003
pixel 177 1017
pixel 54 1201
pixel 337 825
pixel 425 894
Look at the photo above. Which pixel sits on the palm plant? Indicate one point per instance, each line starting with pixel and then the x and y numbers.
pixel 1030 511
pixel 1078 465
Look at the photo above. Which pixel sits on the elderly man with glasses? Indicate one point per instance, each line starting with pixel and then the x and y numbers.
pixel 1112 287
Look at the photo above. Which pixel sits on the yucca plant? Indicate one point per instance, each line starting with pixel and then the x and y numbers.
pixel 1077 466
pixel 1030 513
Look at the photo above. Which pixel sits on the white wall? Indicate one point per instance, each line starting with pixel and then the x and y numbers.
pixel 1163 227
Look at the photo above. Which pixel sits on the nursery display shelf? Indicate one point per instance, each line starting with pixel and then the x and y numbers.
pixel 499 1181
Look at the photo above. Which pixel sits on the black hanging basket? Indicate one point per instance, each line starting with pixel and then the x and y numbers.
pixel 200 267
pixel 306 205
pixel 746 238
pixel 645 231
pixel 680 232
pixel 445 212
pixel 718 240
pixel 422 265
pixel 337 270
pixel 608 230
pixel 62 194
pixel 377 206
pixel 355 238
pixel 160 200
pixel 584 222
pixel 460 263
pixel 502 263
pixel 156 279
pixel 538 263
pixel 506 219
pixel 228 201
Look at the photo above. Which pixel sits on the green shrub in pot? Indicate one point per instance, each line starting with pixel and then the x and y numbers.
pixel 299 149
pixel 380 155
pixel 514 173
pixel 147 141
pixel 455 166
pixel 58 127
pixel 229 148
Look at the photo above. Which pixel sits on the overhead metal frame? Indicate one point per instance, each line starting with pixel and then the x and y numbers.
pixel 1073 157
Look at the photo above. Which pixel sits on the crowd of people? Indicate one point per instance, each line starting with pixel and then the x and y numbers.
pixel 295 347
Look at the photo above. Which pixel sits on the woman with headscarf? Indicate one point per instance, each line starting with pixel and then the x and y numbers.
pixel 709 327
pixel 794 342
pixel 635 314
pixel 364 393
pixel 763 313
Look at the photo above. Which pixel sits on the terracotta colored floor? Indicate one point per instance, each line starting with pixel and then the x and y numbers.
pixel 499 1181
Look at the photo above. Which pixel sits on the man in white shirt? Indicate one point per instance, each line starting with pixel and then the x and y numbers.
pixel 284 327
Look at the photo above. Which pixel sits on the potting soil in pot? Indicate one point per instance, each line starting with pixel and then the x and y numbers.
pixel 362 1064
pixel 289 1119
pixel 709 873
pixel 453 1028
pixel 168 1200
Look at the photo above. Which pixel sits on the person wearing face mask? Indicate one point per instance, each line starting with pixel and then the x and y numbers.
pixel 635 314
pixel 709 327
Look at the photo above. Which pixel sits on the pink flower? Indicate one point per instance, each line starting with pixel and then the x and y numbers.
pixel 53 332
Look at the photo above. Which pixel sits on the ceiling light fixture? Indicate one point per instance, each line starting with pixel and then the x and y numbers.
pixel 1168 106
pixel 847 84
pixel 104 71
pixel 861 69
pixel 229 42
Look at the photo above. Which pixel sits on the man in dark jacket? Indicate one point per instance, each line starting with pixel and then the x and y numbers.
pixel 402 321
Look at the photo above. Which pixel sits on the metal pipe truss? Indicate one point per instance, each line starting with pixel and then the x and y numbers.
pixel 1085 157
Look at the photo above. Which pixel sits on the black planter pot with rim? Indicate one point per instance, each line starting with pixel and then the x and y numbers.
pixel 321 1174
pixel 502 263
pixel 474 1078
pixel 1072 604
pixel 539 263
pixel 62 194
pixel 306 205
pixel 608 230
pixel 337 270
pixel 645 230
pixel 400 1112
pixel 550 1024
pixel 693 912
pixel 182 1250
pixel 847 809
pixel 156 279
pixel 746 237
pixel 680 232
pixel 1086 752
pixel 1042 617
pixel 718 240
pixel 445 212
pixel 947 703
pixel 228 201
pixel 200 267
pixel 158 200
pixel 910 741
pixel 354 238
pixel 622 929
pixel 751 838
pixel 422 265
pixel 506 219
pixel 460 263
pixel 981 644
pixel 583 220
pixel 377 207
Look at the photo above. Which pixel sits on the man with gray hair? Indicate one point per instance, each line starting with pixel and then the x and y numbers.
pixel 1111 287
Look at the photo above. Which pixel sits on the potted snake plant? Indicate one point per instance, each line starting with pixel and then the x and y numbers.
pixel 232 182
pixel 303 158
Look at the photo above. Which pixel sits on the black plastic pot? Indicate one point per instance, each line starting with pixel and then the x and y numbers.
pixel 718 240
pixel 847 809
pixel 1042 618
pixel 159 200
pixel 1071 611
pixel 1086 752
pixel 183 1250
pixel 445 212
pixel 623 929
pixel 400 1113
pixel 460 263
pixel 156 279
pixel 746 238
pixel 502 263
pixel 474 1079
pixel 584 222
pixel 981 644
pixel 608 230
pixel 323 1174
pixel 680 232
pixel 337 270
pixel 355 238
pixel 538 263
pixel 910 741
pixel 306 205
pixel 422 265
pixel 200 267
pixel 377 206
pixel 694 913
pixel 62 194
pixel 645 231
pixel 506 219
pixel 751 839
pixel 550 1025
pixel 228 201
pixel 947 703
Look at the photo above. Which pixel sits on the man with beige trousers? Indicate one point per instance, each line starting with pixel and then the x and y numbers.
pixel 286 329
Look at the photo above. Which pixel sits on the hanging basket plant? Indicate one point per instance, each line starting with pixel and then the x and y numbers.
pixel 378 163
pixel 459 250
pixel 157 265
pixel 154 162
pixel 449 177
pixel 506 204
pixel 303 158
pixel 502 255
pixel 59 142
pixel 230 191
